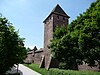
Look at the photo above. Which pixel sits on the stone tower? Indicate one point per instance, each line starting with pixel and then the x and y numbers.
pixel 56 17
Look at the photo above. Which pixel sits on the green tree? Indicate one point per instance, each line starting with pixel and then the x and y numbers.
pixel 58 34
pixel 64 47
pixel 89 38
pixel 82 40
pixel 12 50
pixel 28 49
pixel 88 26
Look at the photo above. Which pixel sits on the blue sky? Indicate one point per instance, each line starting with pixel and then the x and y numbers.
pixel 28 16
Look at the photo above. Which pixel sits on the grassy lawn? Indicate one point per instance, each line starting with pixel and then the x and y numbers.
pixel 55 71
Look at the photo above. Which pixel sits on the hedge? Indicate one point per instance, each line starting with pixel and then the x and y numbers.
pixel 71 72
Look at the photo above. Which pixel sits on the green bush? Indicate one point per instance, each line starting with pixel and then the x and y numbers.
pixel 71 72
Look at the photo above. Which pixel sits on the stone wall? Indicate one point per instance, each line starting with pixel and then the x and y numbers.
pixel 29 59
pixel 59 20
pixel 34 56
pixel 38 57
pixel 48 35
pixel 86 67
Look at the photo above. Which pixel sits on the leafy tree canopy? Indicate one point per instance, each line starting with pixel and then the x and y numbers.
pixel 12 50
pixel 82 40
pixel 88 27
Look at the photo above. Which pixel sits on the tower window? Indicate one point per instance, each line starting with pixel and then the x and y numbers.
pixel 63 18
pixel 57 16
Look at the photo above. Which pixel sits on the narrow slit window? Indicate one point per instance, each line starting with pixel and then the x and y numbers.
pixel 57 16
pixel 63 18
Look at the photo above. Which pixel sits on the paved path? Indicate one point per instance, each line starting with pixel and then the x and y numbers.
pixel 23 70
pixel 27 71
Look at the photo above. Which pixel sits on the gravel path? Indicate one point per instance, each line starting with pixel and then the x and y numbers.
pixel 27 71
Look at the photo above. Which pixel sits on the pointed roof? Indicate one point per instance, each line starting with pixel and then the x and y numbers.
pixel 57 10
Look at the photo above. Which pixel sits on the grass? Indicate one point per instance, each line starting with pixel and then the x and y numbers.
pixel 55 71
